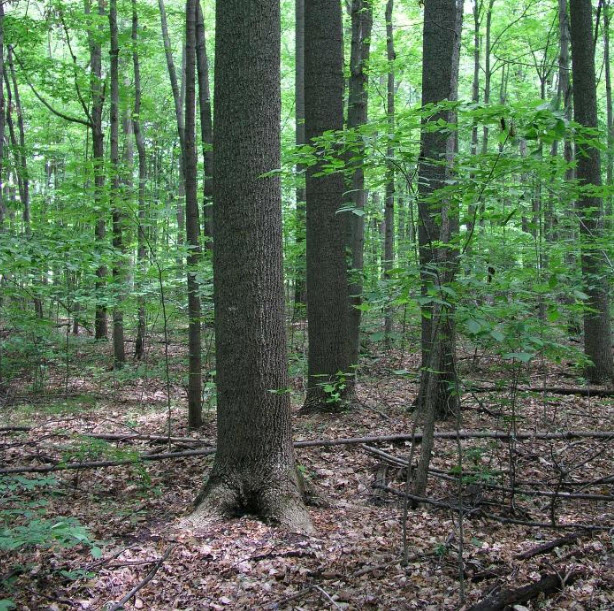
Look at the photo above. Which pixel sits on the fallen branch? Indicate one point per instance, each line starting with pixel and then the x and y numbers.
pixel 97 464
pixel 544 548
pixel 150 576
pixel 399 462
pixel 323 442
pixel 555 390
pixel 549 584
pixel 492 516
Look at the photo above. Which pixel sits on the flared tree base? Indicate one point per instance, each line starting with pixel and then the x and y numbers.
pixel 277 503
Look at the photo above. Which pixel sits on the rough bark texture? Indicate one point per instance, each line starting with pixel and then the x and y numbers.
pixel 254 469
pixel 438 222
pixel 300 287
pixel 192 222
pixel 609 110
pixel 143 234
pixel 119 354
pixel 362 21
pixel 327 290
pixel 206 123
pixel 597 335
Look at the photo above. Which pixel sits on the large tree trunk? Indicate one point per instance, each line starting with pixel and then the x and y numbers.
pixel 327 288
pixel 597 336
pixel 300 287
pixel 143 233
pixel 362 21
pixel 192 222
pixel 206 124
pixel 254 470
pixel 119 354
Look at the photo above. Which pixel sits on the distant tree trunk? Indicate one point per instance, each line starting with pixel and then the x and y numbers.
pixel 192 222
pixel 597 335
pixel 206 124
pixel 362 22
pixel 254 470
pixel 143 234
pixel 178 103
pixel 119 354
pixel 438 393
pixel 437 219
pixel 327 287
pixel 390 188
pixel 97 93
pixel 21 156
pixel 300 287
pixel 487 70
pixel 2 116
pixel 609 111
pixel 475 98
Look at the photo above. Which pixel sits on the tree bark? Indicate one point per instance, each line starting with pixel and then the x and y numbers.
pixel 2 116
pixel 254 470
pixel 300 287
pixel 597 334
pixel 327 288
pixel 438 219
pixel 143 233
pixel 178 104
pixel 192 222
pixel 609 111
pixel 206 124
pixel 97 93
pixel 390 173
pixel 119 353
pixel 362 21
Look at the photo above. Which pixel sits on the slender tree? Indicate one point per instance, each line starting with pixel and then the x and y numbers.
pixel 362 22
pixel 597 334
pixel 390 169
pixel 327 288
pixel 206 123
pixel 254 470
pixel 192 222
pixel 2 115
pixel 143 234
pixel 300 289
pixel 437 216
pixel 119 354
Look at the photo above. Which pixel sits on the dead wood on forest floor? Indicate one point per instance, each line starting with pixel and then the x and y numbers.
pixel 548 584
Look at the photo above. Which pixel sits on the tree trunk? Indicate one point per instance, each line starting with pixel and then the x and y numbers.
pixel 119 354
pixel 206 124
pixel 327 288
pixel 254 470
pixel 437 219
pixel 2 116
pixel 300 287
pixel 192 222
pixel 178 104
pixel 609 111
pixel 597 336
pixel 390 188
pixel 22 167
pixel 143 234
pixel 97 92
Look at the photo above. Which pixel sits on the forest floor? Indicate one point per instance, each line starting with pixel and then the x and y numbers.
pixel 354 561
